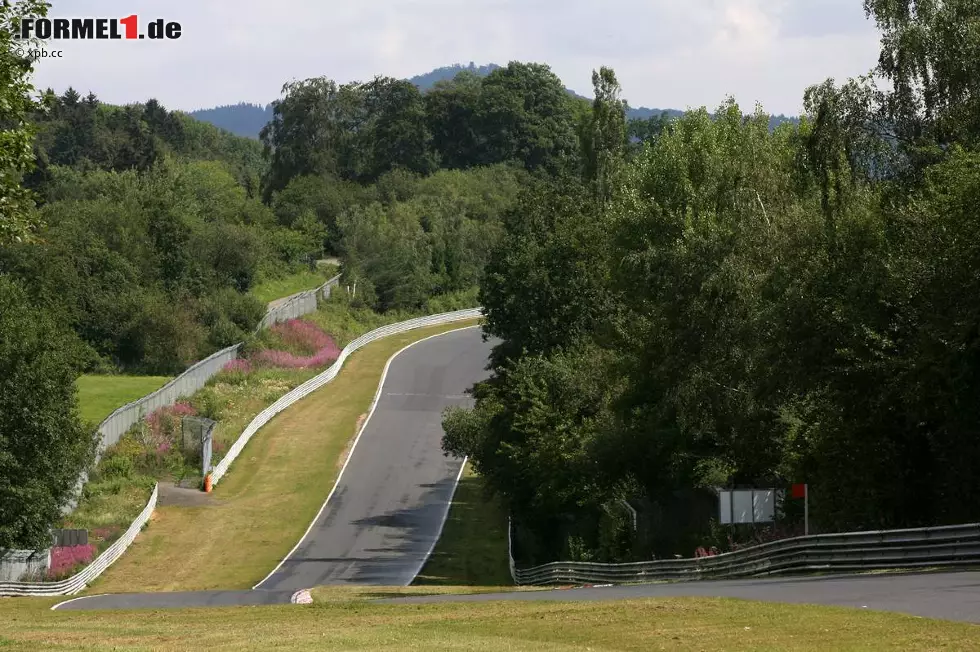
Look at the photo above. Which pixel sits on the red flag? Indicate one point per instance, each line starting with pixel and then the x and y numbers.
pixel 799 491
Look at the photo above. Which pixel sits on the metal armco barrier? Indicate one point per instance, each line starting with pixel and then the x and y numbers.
pixel 319 381
pixel 194 378
pixel 947 546
pixel 83 578
pixel 297 305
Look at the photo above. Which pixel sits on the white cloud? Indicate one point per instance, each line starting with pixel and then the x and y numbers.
pixel 666 53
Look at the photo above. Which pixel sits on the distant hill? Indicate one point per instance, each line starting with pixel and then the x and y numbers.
pixel 428 80
pixel 241 119
pixel 247 120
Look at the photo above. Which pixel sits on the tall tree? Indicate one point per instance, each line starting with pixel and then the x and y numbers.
pixel 604 140
pixel 43 445
pixel 17 218
pixel 395 133
pixel 450 109
pixel 311 132
pixel 545 285
pixel 524 115
pixel 930 53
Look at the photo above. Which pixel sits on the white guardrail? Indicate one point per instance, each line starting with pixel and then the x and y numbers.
pixel 83 578
pixel 319 381
pixel 937 547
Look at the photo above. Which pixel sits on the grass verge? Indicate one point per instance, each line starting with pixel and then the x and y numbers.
pixel 306 279
pixel 346 321
pixel 99 396
pixel 268 498
pixel 355 592
pixel 651 624
pixel 472 550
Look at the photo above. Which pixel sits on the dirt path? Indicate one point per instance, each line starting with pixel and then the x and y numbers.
pixel 171 494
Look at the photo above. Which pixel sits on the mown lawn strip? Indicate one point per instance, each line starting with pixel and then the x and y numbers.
pixel 650 624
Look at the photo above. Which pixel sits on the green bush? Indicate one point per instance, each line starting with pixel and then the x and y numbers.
pixel 243 310
pixel 207 403
pixel 224 334
pixel 233 377
pixel 116 466
pixel 253 343
pixel 453 301
pixel 163 338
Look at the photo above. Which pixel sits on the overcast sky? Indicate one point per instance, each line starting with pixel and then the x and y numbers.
pixel 666 53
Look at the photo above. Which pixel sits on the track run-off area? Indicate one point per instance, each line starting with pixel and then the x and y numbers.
pixel 386 511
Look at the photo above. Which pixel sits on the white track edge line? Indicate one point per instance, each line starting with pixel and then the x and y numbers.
pixel 350 455
pixel 442 525
pixel 84 597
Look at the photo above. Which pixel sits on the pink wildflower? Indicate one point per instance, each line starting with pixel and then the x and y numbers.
pixel 240 365
pixel 64 559
pixel 302 335
pixel 182 409
pixel 165 425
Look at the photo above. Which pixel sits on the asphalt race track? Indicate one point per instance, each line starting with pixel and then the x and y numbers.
pixel 386 512
pixel 176 600
pixel 950 596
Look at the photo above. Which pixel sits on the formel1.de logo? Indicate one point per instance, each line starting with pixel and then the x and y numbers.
pixel 77 29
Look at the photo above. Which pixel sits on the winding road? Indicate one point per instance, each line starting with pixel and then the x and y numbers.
pixel 386 512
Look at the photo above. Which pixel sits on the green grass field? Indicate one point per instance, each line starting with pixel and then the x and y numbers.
pixel 339 623
pixel 98 396
pixel 472 550
pixel 306 279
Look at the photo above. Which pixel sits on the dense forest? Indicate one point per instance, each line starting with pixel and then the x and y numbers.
pixel 736 306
